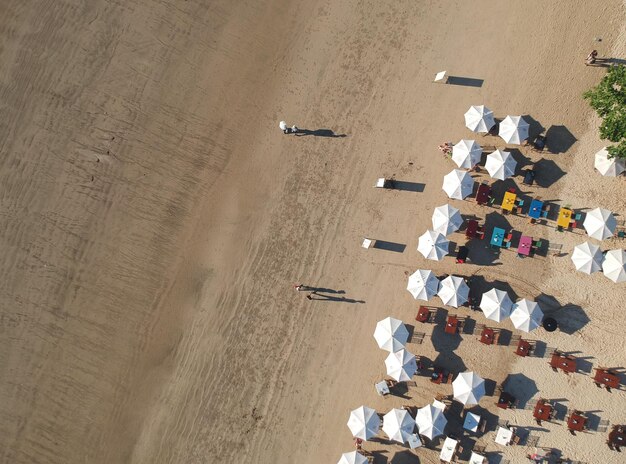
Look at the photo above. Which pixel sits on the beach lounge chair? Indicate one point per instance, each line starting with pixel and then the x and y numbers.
pixel 539 143
pixel 529 176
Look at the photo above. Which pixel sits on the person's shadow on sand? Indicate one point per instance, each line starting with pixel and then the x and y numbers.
pixel 340 299
pixel 319 133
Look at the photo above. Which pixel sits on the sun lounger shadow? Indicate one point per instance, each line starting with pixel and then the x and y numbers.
pixel 389 246
pixel 465 81
pixel 407 186
pixel 319 133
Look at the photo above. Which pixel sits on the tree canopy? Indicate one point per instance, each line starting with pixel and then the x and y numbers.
pixel 608 98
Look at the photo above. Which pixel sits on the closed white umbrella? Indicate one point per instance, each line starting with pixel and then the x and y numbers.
pixel 610 167
pixel 446 219
pixel 458 184
pixel 453 291
pixel 353 457
pixel 614 265
pixel 398 425
pixel 526 315
pixel 587 258
pixel 430 421
pixel 514 129
pixel 364 423
pixel 466 154
pixel 500 164
pixel 479 119
pixel 468 388
pixel 433 245
pixel 600 223
pixel 391 334
pixel 401 365
pixel 496 304
pixel 423 284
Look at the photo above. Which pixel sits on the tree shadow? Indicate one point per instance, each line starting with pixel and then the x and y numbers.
pixel 523 388
pixel 548 173
pixel 559 139
pixel 318 133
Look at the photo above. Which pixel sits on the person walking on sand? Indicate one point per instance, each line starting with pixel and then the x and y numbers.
pixel 283 127
pixel 310 295
pixel 591 58
pixel 300 287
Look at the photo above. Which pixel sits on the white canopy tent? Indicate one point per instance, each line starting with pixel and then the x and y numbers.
pixel 479 119
pixel 500 165
pixel 587 258
pixel 446 219
pixel 364 423
pixel 430 421
pixel 610 167
pixel 354 457
pixel 466 154
pixel 401 365
pixel 453 291
pixel 614 265
pixel 468 388
pixel 458 184
pixel 600 223
pixel 433 245
pixel 398 425
pixel 514 129
pixel 423 284
pixel 496 304
pixel 391 334
pixel 526 315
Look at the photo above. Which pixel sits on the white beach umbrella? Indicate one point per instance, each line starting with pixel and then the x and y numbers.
pixel 430 421
pixel 496 304
pixel 401 365
pixel 391 334
pixel 433 245
pixel 479 119
pixel 614 265
pixel 446 219
pixel 423 284
pixel 468 388
pixel 526 315
pixel 458 184
pixel 610 167
pixel 600 223
pixel 453 291
pixel 353 457
pixel 364 423
pixel 587 257
pixel 500 165
pixel 514 129
pixel 466 154
pixel 398 425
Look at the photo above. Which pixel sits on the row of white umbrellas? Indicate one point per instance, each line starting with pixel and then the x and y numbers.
pixel 391 335
pixel 513 129
pixel 500 164
pixel 588 258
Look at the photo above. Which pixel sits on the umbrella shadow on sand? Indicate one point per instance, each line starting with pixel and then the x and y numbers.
pixel 445 344
pixel 521 387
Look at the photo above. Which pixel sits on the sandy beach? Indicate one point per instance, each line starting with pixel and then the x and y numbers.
pixel 155 220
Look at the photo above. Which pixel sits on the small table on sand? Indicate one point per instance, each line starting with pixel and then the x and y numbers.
pixel 576 421
pixel 617 436
pixel 535 209
pixel 448 449
pixel 505 400
pixel 560 361
pixel 476 458
pixel 523 348
pixel 504 436
pixel 525 242
pixel 423 314
pixel 382 388
pixel 543 410
pixel 606 377
pixel 472 227
pixel 451 325
pixel 482 194
pixel 487 336
pixel 497 236
pixel 508 202
pixel 565 216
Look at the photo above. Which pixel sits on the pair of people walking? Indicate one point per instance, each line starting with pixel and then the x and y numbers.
pixel 286 129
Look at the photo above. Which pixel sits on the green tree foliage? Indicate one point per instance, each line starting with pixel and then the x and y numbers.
pixel 608 98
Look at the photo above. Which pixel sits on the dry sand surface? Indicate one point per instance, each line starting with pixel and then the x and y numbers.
pixel 155 219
